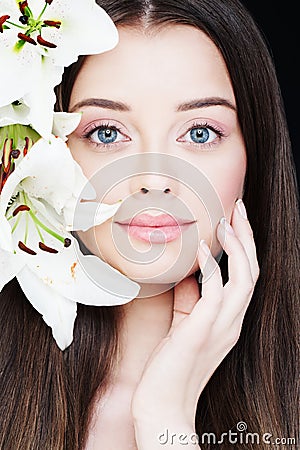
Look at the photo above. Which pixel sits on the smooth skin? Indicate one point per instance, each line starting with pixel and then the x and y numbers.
pixel 202 332
pixel 171 343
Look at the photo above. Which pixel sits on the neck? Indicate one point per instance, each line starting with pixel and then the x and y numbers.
pixel 146 322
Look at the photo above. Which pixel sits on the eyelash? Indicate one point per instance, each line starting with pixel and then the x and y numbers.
pixel 218 131
pixel 94 127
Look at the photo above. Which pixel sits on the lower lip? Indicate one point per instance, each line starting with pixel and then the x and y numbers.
pixel 155 235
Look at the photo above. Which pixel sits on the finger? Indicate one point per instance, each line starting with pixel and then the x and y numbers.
pixel 244 232
pixel 239 270
pixel 239 288
pixel 207 309
pixel 212 285
pixel 186 294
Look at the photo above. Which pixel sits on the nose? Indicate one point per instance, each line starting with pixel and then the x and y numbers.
pixel 147 183
pixel 145 190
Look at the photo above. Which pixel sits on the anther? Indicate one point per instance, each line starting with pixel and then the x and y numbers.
pixel 49 1
pixel 26 147
pixel 7 148
pixel 52 23
pixel 20 208
pixel 22 6
pixel 42 41
pixel 67 242
pixel 26 38
pixel 144 190
pixel 3 178
pixel 26 249
pixel 23 20
pixel 15 154
pixel 11 169
pixel 45 248
pixel 2 20
pixel 167 190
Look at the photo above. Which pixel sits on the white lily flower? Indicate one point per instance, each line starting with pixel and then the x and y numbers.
pixel 15 113
pixel 36 248
pixel 38 38
pixel 65 123
pixel 19 113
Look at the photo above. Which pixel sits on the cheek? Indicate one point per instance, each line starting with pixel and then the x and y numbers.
pixel 229 181
pixel 87 159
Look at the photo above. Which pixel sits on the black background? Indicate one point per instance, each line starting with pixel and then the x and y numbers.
pixel 277 21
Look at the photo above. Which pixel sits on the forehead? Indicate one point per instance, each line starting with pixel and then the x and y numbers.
pixel 177 62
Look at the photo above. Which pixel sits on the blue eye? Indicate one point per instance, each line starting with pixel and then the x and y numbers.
pixel 202 135
pixel 105 135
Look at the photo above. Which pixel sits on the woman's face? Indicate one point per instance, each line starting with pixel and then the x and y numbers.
pixel 165 96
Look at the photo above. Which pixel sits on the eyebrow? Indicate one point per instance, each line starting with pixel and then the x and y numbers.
pixel 101 103
pixel 204 103
pixel 123 107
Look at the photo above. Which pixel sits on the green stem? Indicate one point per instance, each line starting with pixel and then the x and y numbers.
pixel 26 230
pixel 28 11
pixel 39 232
pixel 45 228
pixel 44 9
pixel 39 223
pixel 15 25
pixel 16 224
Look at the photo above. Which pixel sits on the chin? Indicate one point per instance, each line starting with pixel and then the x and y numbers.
pixel 156 273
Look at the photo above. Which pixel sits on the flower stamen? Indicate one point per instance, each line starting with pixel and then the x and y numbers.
pixel 67 242
pixel 45 248
pixel 26 38
pixel 26 249
pixel 3 19
pixel 24 8
pixel 26 146
pixel 23 20
pixel 19 209
pixel 15 154
pixel 45 43
pixel 7 149
pixel 2 177
pixel 52 23
pixel 48 230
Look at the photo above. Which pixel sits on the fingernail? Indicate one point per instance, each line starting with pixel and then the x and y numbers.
pixel 205 247
pixel 241 208
pixel 227 226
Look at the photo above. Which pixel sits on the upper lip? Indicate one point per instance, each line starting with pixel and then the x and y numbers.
pixel 163 220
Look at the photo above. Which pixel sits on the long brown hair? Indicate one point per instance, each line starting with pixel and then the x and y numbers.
pixel 46 395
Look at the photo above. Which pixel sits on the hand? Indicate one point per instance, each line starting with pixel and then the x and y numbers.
pixel 202 334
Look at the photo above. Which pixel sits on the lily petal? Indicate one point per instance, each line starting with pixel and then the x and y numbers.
pixel 25 69
pixel 15 114
pixel 90 214
pixel 57 186
pixel 82 278
pixel 58 312
pixel 64 124
pixel 10 266
pixel 42 98
pixel 98 35
pixel 6 242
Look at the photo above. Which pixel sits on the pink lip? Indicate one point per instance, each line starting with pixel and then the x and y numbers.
pixel 155 229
